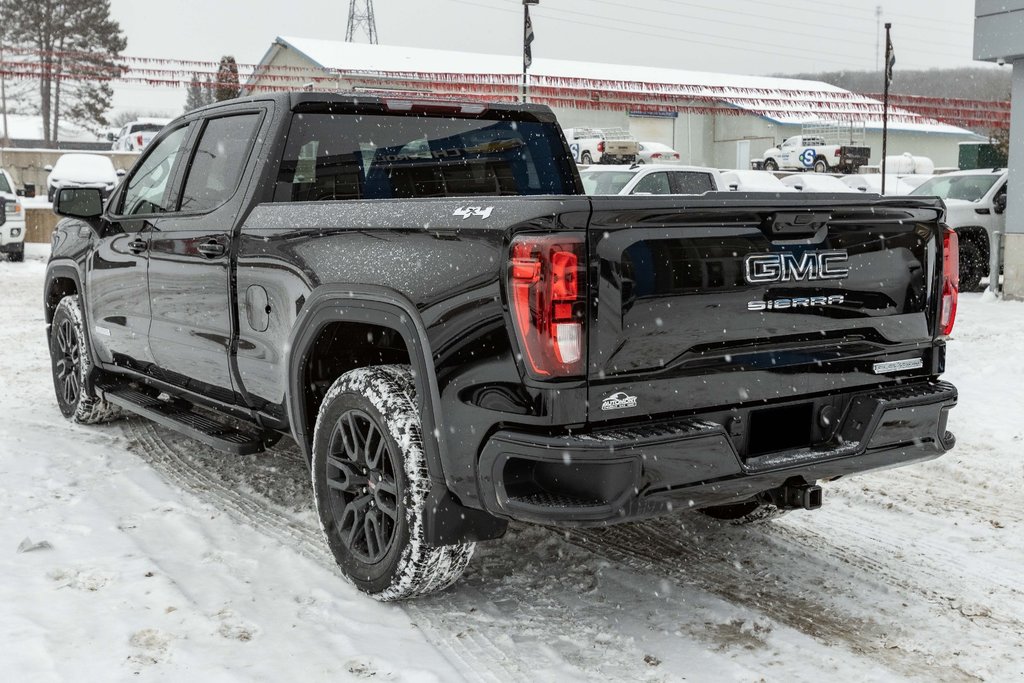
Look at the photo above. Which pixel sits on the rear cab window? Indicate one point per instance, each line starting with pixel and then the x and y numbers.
pixel 336 156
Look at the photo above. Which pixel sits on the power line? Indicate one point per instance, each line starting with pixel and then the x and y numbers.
pixel 775 50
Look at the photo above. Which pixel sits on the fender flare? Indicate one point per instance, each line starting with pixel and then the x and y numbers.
pixel 375 305
pixel 58 269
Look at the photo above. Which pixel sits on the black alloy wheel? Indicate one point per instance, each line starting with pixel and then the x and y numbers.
pixel 67 360
pixel 363 487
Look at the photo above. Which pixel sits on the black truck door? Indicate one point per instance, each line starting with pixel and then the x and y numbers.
pixel 119 310
pixel 190 261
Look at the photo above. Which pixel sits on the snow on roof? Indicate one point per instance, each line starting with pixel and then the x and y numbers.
pixel 783 100
pixel 23 127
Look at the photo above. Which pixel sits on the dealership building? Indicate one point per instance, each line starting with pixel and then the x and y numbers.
pixel 712 119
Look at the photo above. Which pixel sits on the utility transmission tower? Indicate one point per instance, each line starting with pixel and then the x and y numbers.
pixel 360 14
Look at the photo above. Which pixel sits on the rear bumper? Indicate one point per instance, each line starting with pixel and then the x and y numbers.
pixel 616 475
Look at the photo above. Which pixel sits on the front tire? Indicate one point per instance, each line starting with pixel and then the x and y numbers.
pixel 972 266
pixel 371 487
pixel 16 256
pixel 72 367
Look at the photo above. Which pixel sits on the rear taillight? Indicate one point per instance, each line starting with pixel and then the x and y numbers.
pixel 837 152
pixel 547 289
pixel 600 147
pixel 656 155
pixel 950 281
pixel 676 156
pixel 138 140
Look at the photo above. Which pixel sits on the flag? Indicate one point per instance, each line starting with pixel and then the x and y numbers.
pixel 527 39
pixel 890 59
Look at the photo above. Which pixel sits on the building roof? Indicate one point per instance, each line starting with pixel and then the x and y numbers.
pixel 30 128
pixel 568 83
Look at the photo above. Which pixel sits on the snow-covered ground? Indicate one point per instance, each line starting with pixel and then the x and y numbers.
pixel 168 561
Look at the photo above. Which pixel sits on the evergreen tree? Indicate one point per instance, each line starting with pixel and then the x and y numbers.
pixel 74 44
pixel 208 90
pixel 227 79
pixel 195 96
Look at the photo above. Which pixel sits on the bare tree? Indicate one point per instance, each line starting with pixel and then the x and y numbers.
pixel 70 48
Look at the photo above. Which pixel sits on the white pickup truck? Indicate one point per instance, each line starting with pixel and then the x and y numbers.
pixel 814 152
pixel 602 146
pixel 976 209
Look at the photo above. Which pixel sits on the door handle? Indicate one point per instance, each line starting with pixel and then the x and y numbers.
pixel 138 246
pixel 211 249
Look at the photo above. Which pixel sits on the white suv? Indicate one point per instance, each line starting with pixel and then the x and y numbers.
pixel 12 232
pixel 976 207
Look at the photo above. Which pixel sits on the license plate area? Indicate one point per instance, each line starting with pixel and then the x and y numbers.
pixel 779 429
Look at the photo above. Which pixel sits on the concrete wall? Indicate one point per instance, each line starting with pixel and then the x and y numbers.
pixel 1013 287
pixel 28 165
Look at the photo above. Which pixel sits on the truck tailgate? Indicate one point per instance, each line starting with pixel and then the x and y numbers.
pixel 735 298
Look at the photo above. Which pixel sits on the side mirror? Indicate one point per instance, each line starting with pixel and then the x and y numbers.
pixel 120 173
pixel 79 202
pixel 21 192
pixel 733 187
pixel 48 168
pixel 999 203
pixel 111 137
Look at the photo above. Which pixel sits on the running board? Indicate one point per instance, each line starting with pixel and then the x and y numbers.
pixel 180 416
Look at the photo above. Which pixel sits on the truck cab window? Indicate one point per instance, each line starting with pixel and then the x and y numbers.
pixel 379 156
pixel 146 190
pixel 218 161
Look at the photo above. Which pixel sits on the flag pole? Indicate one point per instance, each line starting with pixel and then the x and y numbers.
pixel 526 46
pixel 889 60
pixel 527 39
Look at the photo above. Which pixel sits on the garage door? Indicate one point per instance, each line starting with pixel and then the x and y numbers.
pixel 652 129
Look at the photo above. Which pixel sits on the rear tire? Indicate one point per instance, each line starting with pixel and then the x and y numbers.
pixel 821 166
pixel 585 158
pixel 771 165
pixel 972 266
pixel 371 487
pixel 72 367
pixel 749 512
pixel 16 256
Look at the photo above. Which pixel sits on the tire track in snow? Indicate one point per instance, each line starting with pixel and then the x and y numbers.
pixel 787 584
pixel 471 644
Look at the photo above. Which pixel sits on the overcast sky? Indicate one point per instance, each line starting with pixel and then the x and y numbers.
pixel 734 36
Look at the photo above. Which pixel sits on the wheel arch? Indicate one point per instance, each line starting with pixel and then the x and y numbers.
pixel 373 306
pixel 62 279
pixel 978 236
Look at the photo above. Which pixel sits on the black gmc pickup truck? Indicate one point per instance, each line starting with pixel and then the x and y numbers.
pixel 421 296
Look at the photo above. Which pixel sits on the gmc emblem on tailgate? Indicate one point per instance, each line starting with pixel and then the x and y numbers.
pixel 810 265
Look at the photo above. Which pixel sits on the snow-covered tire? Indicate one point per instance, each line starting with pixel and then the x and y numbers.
pixel 16 256
pixel 821 165
pixel 378 405
pixel 771 165
pixel 72 367
pixel 586 159
pixel 750 512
